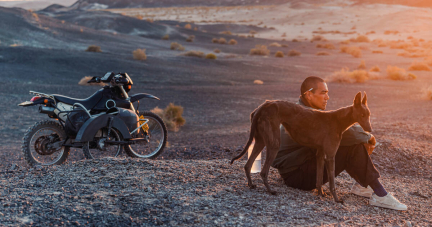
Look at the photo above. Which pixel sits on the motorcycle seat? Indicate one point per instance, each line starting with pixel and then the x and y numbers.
pixel 88 103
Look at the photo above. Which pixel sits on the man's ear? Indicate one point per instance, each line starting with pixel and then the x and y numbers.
pixel 364 101
pixel 357 99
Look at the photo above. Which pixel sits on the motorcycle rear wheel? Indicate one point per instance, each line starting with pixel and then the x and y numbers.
pixel 36 142
pixel 157 133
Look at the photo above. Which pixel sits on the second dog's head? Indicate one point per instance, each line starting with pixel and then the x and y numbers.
pixel 361 112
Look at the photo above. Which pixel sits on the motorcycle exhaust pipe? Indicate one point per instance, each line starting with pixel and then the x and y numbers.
pixel 46 110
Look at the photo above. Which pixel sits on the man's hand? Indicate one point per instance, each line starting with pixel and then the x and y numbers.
pixel 370 146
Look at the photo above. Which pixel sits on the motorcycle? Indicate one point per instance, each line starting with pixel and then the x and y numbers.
pixel 102 125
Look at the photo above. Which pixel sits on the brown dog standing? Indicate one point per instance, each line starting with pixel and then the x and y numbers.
pixel 321 130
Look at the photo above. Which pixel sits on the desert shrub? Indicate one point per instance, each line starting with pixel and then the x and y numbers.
pixel 188 26
pixel 194 53
pixel 382 45
pixel 190 38
pixel 345 76
pixel 377 52
pixel 284 45
pixel 353 50
pixel 326 46
pixel 139 54
pixel 396 73
pixel 279 54
pixel 210 56
pixel 232 42
pixel 318 38
pixel 258 82
pixel 172 116
pixel 216 51
pixel 252 32
pixel 322 53
pixel 427 93
pixel 259 50
pixel 149 20
pixel 345 42
pixel 294 53
pixel 226 33
pixel 428 61
pixel 85 79
pixel 214 40
pixel 165 37
pixel 362 39
pixel 375 69
pixel 419 66
pixel 94 48
pixel 295 40
pixel 222 41
pixel 362 65
pixel 275 44
pixel 177 46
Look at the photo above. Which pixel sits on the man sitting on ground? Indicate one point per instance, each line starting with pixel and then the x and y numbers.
pixel 297 164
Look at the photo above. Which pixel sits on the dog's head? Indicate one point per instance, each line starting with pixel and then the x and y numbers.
pixel 361 112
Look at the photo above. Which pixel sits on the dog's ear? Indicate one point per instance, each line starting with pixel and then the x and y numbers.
pixel 364 101
pixel 357 99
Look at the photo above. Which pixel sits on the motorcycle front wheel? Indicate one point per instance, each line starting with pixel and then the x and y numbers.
pixel 42 144
pixel 97 148
pixel 156 134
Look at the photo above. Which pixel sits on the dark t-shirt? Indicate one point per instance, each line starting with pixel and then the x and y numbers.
pixel 291 155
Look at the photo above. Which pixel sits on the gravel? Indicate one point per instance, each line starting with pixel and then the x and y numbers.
pixel 119 191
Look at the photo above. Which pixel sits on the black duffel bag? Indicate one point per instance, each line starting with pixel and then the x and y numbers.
pixel 74 122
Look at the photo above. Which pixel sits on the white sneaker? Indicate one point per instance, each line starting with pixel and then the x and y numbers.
pixel 357 189
pixel 387 201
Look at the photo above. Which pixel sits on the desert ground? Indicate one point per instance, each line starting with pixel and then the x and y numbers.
pixel 192 182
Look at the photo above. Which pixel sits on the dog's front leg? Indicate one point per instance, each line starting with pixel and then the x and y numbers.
pixel 320 172
pixel 330 166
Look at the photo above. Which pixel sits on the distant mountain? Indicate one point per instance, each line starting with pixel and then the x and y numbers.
pixel 36 4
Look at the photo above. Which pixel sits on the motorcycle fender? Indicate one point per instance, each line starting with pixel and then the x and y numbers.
pixel 92 126
pixel 136 97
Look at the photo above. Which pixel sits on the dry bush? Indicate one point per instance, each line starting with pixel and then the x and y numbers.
pixel 190 38
pixel 377 52
pixel 211 56
pixel 353 50
pixel 165 37
pixel 362 65
pixel 284 45
pixel 139 54
pixel 226 33
pixel 85 79
pixel 94 48
pixel 188 26
pixel 222 41
pixel 258 82
pixel 345 76
pixel 362 39
pixel 216 51
pixel 194 53
pixel 177 46
pixel 427 93
pixel 294 53
pixel 259 50
pixel 428 61
pixel 279 54
pixel 150 20
pixel 172 116
pixel 396 73
pixel 326 46
pixel 214 40
pixel 295 40
pixel 252 32
pixel 322 53
pixel 419 66
pixel 345 42
pixel 318 38
pixel 232 42
pixel 275 44
pixel 375 69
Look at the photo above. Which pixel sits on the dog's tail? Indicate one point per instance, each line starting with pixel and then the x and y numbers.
pixel 254 118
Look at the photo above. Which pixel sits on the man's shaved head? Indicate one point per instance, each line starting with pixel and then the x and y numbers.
pixel 310 83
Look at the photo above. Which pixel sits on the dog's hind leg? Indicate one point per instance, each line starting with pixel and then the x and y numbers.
pixel 330 166
pixel 320 172
pixel 258 147
pixel 272 142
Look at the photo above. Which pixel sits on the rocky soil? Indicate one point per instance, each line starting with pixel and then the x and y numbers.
pixel 119 192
